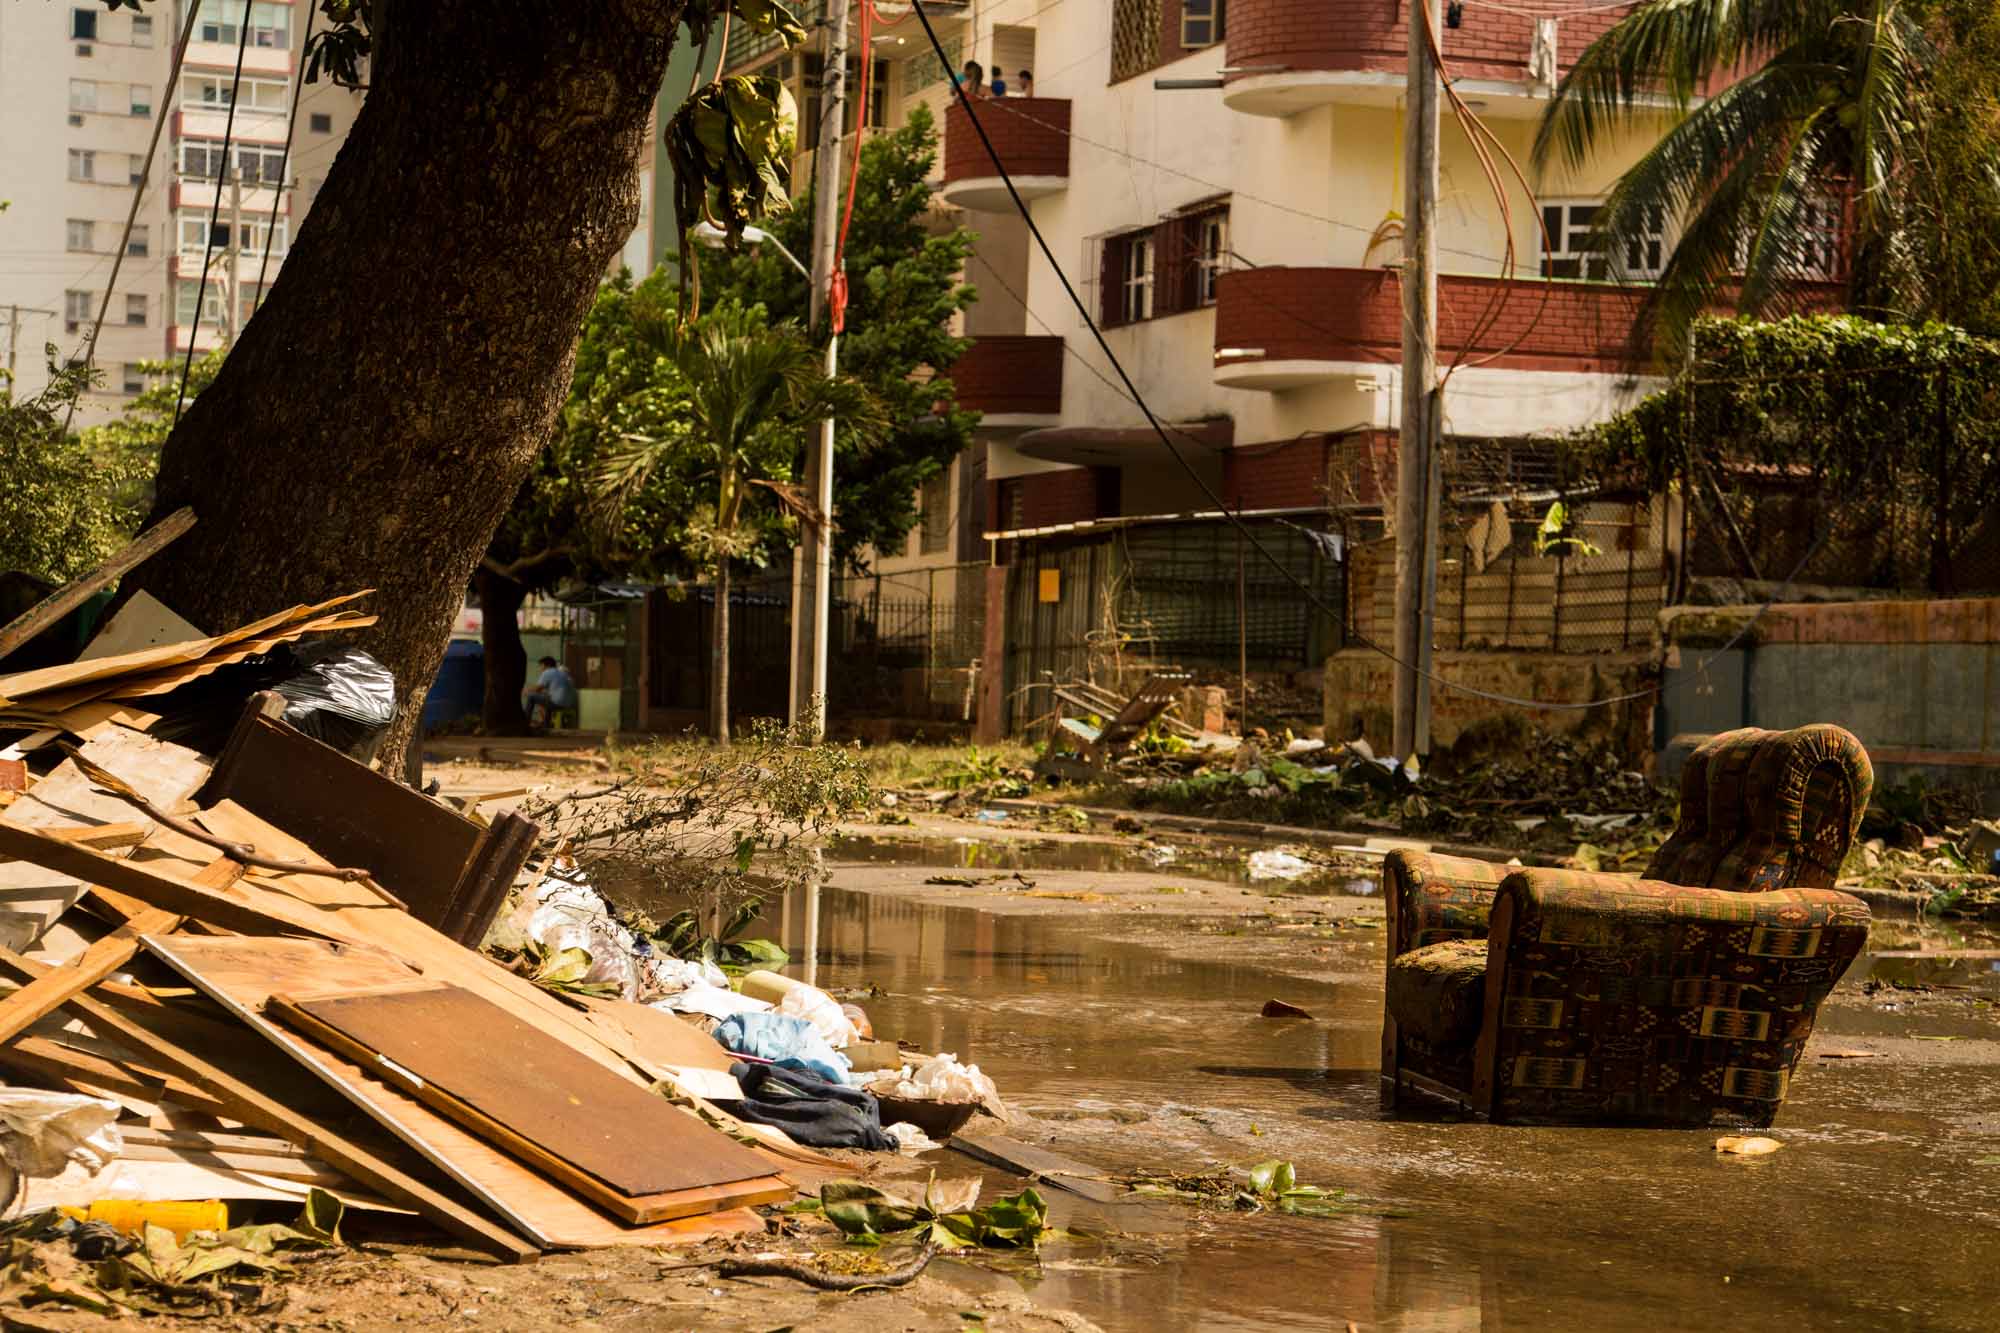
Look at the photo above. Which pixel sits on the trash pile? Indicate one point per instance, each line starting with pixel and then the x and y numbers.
pixel 241 975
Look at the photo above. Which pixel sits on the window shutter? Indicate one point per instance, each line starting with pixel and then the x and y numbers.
pixel 1111 281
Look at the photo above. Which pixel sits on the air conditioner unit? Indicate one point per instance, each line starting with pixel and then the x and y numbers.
pixel 83 48
pixel 76 118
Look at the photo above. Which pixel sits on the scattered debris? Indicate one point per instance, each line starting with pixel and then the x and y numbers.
pixel 1752 1146
pixel 1279 1009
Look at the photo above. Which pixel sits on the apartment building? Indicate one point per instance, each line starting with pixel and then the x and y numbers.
pixel 83 87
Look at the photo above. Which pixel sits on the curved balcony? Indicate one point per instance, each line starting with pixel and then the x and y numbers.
pixel 1286 328
pixel 1031 135
pixel 1011 380
pixel 1288 56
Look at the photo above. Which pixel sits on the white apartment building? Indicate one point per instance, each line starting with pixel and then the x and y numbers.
pixel 82 88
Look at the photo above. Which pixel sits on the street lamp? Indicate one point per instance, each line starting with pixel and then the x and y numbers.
pixel 708 234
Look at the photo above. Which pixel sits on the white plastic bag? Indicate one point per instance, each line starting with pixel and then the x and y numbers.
pixel 1278 864
pixel 41 1132
pixel 569 914
pixel 822 1011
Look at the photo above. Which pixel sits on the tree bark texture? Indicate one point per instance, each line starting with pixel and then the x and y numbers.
pixel 505 664
pixel 377 416
pixel 718 684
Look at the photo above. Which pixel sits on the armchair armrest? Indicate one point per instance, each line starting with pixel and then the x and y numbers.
pixel 1435 898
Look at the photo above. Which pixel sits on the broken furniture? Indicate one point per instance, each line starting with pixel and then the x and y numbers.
pixel 1095 748
pixel 1565 995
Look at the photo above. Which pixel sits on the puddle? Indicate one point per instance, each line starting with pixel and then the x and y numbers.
pixel 1883 1210
pixel 1175 860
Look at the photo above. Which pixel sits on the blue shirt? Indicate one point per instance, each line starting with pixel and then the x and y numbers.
pixel 559 686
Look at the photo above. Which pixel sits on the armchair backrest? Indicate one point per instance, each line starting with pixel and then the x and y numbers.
pixel 1431 898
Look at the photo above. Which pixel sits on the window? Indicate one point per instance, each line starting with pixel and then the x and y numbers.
pixel 196 233
pixel 211 304
pixel 134 381
pixel 142 30
pixel 936 509
pixel 135 311
pixel 1211 254
pixel 76 310
pixel 1572 249
pixel 142 100
pixel 82 164
pixel 222 21
pixel 136 170
pixel 1135 37
pixel 82 95
pixel 202 160
pixel 212 92
pixel 136 245
pixel 1128 271
pixel 1201 23
pixel 83 25
pixel 321 123
pixel 77 235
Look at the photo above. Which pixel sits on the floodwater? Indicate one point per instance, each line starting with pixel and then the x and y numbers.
pixel 1881 1211
pixel 1205 859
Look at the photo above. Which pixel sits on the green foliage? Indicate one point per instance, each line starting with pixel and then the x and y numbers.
pixel 903 293
pixel 63 508
pixel 681 936
pixel 867 1216
pixel 731 149
pixel 133 439
pixel 1881 112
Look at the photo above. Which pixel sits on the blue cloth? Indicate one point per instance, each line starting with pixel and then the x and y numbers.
pixel 558 687
pixel 999 86
pixel 787 1042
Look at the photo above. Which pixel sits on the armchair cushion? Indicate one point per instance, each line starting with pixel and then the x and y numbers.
pixel 1436 993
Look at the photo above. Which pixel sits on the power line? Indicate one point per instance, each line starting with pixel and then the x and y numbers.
pixel 214 213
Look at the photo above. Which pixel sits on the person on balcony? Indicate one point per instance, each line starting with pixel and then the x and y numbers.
pixel 973 79
pixel 1026 83
pixel 999 84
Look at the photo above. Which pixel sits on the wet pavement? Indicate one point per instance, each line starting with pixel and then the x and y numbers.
pixel 1881 1211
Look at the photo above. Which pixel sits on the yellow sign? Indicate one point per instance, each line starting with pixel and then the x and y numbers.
pixel 1050 585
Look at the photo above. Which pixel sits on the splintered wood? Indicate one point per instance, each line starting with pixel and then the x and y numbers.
pixel 268 1030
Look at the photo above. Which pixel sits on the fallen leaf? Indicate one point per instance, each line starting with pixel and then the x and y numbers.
pixel 1754 1146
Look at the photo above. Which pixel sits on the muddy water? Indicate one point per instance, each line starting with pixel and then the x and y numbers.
pixel 1213 862
pixel 1881 1211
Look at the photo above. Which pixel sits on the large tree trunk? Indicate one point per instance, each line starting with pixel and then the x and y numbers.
pixel 718 657
pixel 377 416
pixel 505 658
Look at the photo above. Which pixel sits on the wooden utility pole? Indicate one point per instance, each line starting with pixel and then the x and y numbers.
pixel 14 313
pixel 1416 464
pixel 812 559
pixel 232 254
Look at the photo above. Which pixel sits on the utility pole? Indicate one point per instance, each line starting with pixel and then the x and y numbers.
pixel 233 255
pixel 1417 479
pixel 14 313
pixel 812 561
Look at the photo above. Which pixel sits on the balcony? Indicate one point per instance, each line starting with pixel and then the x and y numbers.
pixel 1291 56
pixel 1286 328
pixel 1011 380
pixel 1031 135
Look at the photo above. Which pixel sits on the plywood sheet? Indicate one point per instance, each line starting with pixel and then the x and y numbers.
pixel 241 974
pixel 537 1088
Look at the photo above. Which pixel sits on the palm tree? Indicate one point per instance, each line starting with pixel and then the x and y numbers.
pixel 730 403
pixel 1825 161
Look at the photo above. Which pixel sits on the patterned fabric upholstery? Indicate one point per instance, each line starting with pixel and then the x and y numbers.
pixel 1434 898
pixel 1438 992
pixel 1768 810
pixel 1641 1000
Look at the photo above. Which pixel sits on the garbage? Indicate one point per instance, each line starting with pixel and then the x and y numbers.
pixel 943 1079
pixel 1753 1146
pixel 1278 864
pixel 1279 1009
pixel 800 1000
pixel 570 915
pixel 41 1131
pixel 910 1141
pixel 782 1040
pixel 815 1111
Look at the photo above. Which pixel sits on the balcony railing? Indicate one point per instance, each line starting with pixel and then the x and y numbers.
pixel 1012 380
pixel 1288 56
pixel 1031 135
pixel 1282 328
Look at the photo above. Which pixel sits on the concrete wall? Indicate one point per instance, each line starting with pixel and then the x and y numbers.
pixel 1360 684
pixel 1918 682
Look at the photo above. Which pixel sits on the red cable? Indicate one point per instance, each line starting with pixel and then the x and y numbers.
pixel 836 295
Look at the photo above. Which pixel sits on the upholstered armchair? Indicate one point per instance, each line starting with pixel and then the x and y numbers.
pixel 1675 998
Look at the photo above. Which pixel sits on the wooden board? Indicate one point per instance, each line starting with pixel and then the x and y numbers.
pixel 241 974
pixel 348 813
pixel 32 896
pixel 1024 1159
pixel 599 1134
pixel 81 589
pixel 659 1038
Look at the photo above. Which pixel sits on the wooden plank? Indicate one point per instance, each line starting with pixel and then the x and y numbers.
pixel 239 974
pixel 48 1059
pixel 1024 1159
pixel 656 1037
pixel 414 847
pixel 159 889
pixel 629 1142
pixel 81 589
pixel 251 1105
pixel 49 992
pixel 502 849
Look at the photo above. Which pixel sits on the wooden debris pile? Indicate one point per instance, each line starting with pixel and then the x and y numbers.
pixel 269 960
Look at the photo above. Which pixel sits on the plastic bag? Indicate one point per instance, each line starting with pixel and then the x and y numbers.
pixel 569 914
pixel 42 1132
pixel 943 1079
pixel 822 1011
pixel 339 695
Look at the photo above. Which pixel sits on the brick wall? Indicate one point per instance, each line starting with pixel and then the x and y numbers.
pixel 1011 374
pixel 1353 314
pixel 1277 476
pixel 1047 498
pixel 1031 134
pixel 1373 35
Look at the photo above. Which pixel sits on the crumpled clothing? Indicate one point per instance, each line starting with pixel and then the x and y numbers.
pixel 787 1042
pixel 42 1132
pixel 810 1110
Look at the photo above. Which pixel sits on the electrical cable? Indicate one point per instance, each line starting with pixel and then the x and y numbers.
pixel 1250 538
pixel 214 214
pixel 836 294
pixel 284 169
